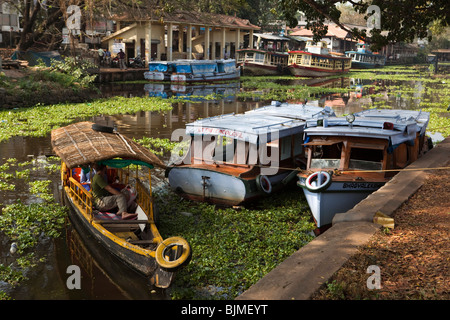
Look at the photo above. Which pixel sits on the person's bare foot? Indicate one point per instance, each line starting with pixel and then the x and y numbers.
pixel 128 216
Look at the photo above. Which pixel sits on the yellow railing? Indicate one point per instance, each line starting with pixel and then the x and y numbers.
pixel 144 200
pixel 81 197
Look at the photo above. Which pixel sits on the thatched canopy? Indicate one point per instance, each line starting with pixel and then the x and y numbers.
pixel 78 144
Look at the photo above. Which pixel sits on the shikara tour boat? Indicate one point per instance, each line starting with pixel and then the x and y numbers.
pixel 364 58
pixel 137 243
pixel 237 158
pixel 268 58
pixel 193 71
pixel 350 158
pixel 316 61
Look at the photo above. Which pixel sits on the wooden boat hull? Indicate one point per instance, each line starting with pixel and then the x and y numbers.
pixel 218 187
pixel 156 76
pixel 302 71
pixel 339 197
pixel 365 65
pixel 261 69
pixel 144 263
pixel 180 77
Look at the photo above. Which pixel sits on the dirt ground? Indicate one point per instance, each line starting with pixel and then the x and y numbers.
pixel 414 257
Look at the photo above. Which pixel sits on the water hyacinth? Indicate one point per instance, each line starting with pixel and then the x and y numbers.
pixel 40 120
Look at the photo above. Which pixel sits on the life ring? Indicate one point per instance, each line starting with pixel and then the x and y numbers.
pixel 168 244
pixel 98 127
pixel 263 183
pixel 318 187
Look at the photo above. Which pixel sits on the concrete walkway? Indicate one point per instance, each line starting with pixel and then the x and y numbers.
pixel 300 275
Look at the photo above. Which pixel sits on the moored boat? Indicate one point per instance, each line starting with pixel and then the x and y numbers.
pixel 237 158
pixel 364 58
pixel 350 158
pixel 159 71
pixel 262 62
pixel 181 71
pixel 136 242
pixel 316 61
pixel 269 57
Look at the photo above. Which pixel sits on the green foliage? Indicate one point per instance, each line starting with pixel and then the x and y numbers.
pixel 157 145
pixel 233 248
pixel 40 120
pixel 27 225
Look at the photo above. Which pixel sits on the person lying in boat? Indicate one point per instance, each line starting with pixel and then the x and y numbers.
pixel 106 197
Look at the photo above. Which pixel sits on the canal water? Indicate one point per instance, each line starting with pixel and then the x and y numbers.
pixel 48 280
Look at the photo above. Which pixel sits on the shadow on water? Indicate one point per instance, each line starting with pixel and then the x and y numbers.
pixel 103 277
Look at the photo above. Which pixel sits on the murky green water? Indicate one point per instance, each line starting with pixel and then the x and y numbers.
pixel 48 280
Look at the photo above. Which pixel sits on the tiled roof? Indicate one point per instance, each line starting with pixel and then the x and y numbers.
pixel 196 18
pixel 333 31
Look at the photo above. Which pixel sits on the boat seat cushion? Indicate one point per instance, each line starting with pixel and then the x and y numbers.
pixel 107 216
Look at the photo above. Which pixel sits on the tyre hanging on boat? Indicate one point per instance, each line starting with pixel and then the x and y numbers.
pixel 163 251
pixel 263 183
pixel 322 179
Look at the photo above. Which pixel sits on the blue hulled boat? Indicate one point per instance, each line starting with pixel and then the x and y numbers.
pixel 363 58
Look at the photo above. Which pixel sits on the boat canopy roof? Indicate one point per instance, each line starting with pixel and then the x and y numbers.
pixel 255 128
pixel 397 126
pixel 79 144
pixel 293 111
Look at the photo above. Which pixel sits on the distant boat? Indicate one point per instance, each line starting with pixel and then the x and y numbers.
pixel 193 71
pixel 347 157
pixel 316 61
pixel 363 58
pixel 262 62
pixel 269 58
pixel 228 155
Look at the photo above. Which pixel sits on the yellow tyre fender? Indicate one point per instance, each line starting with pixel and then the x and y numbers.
pixel 163 251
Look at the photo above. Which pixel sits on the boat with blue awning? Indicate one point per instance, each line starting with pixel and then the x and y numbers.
pixel 193 70
pixel 364 58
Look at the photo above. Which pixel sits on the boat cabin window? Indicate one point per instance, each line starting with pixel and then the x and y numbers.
pixel 259 57
pixel 365 158
pixel 228 150
pixel 326 156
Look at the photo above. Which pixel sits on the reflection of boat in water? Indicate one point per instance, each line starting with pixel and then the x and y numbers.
pixel 193 92
pixel 316 61
pixel 104 276
pixel 237 158
pixel 137 243
pixel 364 58
pixel 193 71
pixel 348 159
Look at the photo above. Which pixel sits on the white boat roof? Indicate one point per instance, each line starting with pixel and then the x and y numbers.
pixel 370 123
pixel 252 128
pixel 268 36
pixel 293 111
